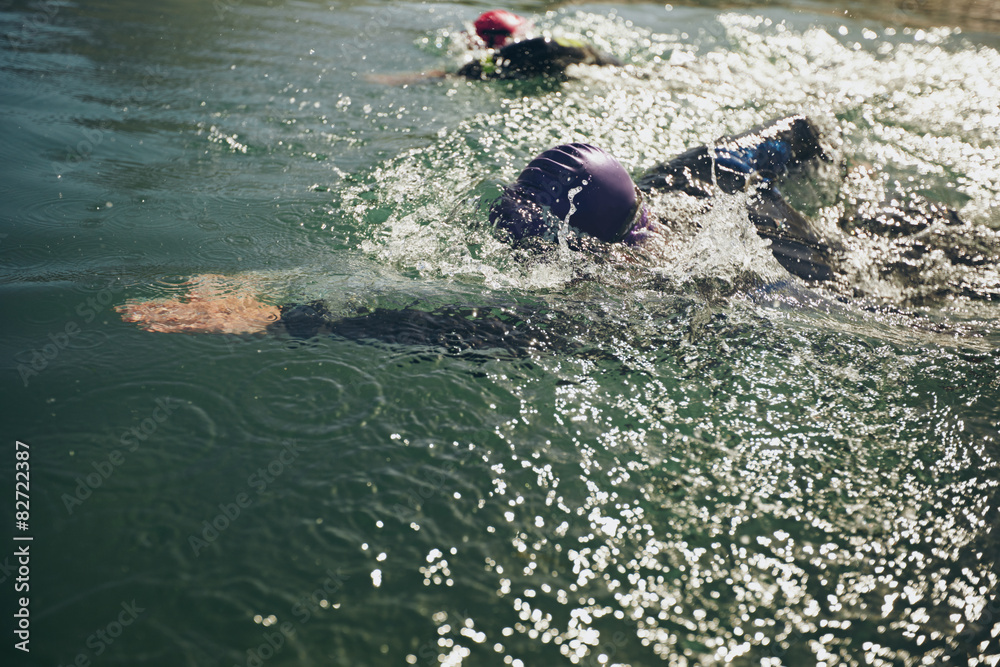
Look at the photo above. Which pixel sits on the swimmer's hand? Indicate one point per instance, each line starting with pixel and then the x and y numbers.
pixel 407 78
pixel 213 305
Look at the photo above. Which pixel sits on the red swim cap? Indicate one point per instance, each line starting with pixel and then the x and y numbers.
pixel 497 26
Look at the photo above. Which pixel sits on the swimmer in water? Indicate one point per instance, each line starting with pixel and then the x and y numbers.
pixel 599 197
pixel 513 55
pixel 504 50
pixel 585 188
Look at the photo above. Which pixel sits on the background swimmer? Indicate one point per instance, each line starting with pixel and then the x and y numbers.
pixel 503 48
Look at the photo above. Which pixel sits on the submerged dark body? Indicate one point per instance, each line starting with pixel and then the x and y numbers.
pixel 511 332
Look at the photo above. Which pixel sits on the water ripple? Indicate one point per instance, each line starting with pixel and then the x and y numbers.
pixel 309 398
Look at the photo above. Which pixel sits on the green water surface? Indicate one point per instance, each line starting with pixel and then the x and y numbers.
pixel 716 465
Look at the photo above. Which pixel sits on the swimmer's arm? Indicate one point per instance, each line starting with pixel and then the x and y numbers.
pixel 795 242
pixel 408 78
pixel 594 56
pixel 691 173
pixel 764 152
pixel 573 51
pixel 455 329
pixel 776 147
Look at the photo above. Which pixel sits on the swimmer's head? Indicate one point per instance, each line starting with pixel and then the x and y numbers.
pixel 498 26
pixel 576 180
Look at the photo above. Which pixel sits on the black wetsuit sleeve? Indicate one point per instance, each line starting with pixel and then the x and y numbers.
pixel 765 142
pixel 794 243
pixel 454 329
pixel 691 172
pixel 540 56
pixel 760 155
pixel 767 151
pixel 304 320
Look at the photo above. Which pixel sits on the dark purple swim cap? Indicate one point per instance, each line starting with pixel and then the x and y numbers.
pixel 607 204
